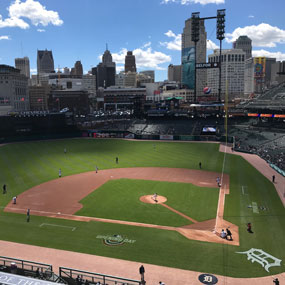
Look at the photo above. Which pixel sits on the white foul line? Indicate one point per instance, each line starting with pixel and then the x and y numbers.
pixel 54 225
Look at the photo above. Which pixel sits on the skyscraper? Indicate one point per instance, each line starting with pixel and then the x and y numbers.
pixel 105 71
pixel 13 90
pixel 188 57
pixel 45 63
pixel 78 68
pixel 244 43
pixel 130 62
pixel 233 68
pixel 24 65
pixel 174 73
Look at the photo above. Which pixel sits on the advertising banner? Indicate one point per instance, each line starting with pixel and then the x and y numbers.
pixel 259 67
pixel 166 137
pixel 129 136
pixel 188 67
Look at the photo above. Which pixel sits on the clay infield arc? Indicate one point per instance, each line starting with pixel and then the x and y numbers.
pixel 60 197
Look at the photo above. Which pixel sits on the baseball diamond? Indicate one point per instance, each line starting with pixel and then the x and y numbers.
pixel 100 196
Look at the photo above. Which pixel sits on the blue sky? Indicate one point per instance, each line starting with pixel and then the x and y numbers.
pixel 79 29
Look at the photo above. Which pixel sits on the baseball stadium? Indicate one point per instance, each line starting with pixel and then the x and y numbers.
pixel 98 205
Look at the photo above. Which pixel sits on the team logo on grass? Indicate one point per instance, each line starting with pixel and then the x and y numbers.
pixel 113 240
pixel 264 259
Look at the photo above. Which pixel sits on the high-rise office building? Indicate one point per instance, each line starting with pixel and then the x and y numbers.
pixel 244 43
pixel 233 67
pixel 13 90
pixel 258 74
pixel 188 57
pixel 174 73
pixel 78 68
pixel 278 72
pixel 130 62
pixel 24 65
pixel 149 74
pixel 45 63
pixel 105 71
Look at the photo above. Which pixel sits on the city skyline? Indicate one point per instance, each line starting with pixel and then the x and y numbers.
pixel 76 31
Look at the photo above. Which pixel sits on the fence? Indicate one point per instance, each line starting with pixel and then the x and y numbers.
pixel 74 276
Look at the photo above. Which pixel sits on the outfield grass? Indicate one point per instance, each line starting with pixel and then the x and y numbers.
pixel 119 200
pixel 24 165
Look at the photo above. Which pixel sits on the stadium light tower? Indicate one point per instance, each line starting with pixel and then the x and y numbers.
pixel 195 37
pixel 220 36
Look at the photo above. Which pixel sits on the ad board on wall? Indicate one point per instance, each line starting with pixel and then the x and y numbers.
pixel 259 67
pixel 166 137
pixel 188 67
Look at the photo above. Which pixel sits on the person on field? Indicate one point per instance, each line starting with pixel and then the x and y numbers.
pixel 14 199
pixel 273 178
pixel 276 281
pixel 200 164
pixel 28 216
pixel 59 173
pixel 96 169
pixel 229 234
pixel 117 160
pixel 4 189
pixel 223 234
pixel 249 228
pixel 64 150
pixel 142 271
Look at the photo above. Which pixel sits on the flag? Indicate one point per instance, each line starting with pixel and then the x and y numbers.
pixel 40 100
pixel 57 99
pixel 23 99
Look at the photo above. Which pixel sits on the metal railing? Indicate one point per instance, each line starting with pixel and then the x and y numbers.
pixel 74 276
pixel 29 268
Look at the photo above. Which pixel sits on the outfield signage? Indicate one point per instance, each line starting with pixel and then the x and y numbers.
pixel 166 137
pixel 113 240
pixel 207 65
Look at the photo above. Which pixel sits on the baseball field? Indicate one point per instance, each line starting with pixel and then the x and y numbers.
pixel 112 213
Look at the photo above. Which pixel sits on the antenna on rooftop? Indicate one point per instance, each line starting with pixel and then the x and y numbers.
pixel 106 46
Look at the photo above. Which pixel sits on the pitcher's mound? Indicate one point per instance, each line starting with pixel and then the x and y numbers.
pixel 150 199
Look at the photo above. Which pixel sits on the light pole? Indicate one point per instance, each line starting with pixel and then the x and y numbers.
pixel 195 37
pixel 220 36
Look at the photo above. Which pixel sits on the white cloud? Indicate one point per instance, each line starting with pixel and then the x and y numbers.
pixel 41 30
pixel 187 2
pixel 120 68
pixel 145 58
pixel 5 38
pixel 211 45
pixel 13 22
pixel 263 35
pixel 32 10
pixel 33 71
pixel 278 55
pixel 175 43
pixel 148 44
pixel 250 16
pixel 150 59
